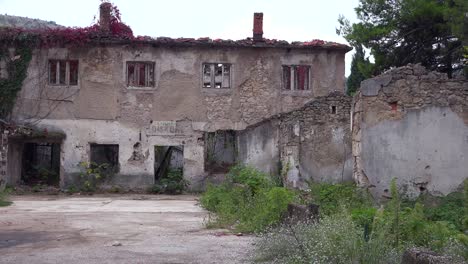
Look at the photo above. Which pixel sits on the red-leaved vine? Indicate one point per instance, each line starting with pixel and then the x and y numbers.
pixel 70 36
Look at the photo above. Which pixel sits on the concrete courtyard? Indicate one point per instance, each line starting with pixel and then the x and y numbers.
pixel 114 229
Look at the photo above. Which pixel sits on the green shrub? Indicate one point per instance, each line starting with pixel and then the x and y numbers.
pixel 352 230
pixel 449 208
pixel 250 177
pixel 248 200
pixel 4 193
pixel 331 197
pixel 334 239
pixel 173 183
pixel 92 174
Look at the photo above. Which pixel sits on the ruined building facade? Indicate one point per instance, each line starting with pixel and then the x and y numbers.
pixel 148 105
pixel 125 102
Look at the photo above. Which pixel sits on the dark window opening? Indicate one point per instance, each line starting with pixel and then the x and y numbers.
pixel 168 160
pixel 216 75
pixel 63 72
pixel 220 151
pixel 140 74
pixel 333 109
pixel 394 106
pixel 41 164
pixel 107 155
pixel 296 77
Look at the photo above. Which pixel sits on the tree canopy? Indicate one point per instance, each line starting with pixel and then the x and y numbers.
pixel 398 32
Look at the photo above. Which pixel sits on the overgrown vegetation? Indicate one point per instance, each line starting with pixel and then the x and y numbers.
pixel 352 229
pixel 173 183
pixel 248 201
pixel 92 174
pixel 16 71
pixel 4 192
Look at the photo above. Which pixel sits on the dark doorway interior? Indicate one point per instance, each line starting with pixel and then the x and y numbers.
pixel 220 151
pixel 105 154
pixel 41 164
pixel 167 159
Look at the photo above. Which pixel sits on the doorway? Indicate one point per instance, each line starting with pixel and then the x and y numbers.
pixel 41 164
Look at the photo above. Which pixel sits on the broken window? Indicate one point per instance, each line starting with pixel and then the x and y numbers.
pixel 296 77
pixel 140 74
pixel 63 72
pixel 105 154
pixel 216 75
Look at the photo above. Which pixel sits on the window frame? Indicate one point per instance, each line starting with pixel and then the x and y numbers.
pixel 113 168
pixel 294 77
pixel 213 66
pixel 137 69
pixel 67 72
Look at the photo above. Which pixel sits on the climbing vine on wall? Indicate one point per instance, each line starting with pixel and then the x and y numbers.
pixel 17 45
pixel 16 66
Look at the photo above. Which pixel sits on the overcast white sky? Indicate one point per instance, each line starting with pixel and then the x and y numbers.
pixel 293 20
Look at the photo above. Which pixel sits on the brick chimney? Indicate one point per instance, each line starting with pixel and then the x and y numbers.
pixel 105 10
pixel 258 27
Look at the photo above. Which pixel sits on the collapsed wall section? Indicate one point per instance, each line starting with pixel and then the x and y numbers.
pixel 412 125
pixel 312 143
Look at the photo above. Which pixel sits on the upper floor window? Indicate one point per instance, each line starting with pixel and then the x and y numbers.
pixel 216 75
pixel 296 77
pixel 140 74
pixel 63 72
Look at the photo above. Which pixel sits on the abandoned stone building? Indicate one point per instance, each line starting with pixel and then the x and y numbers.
pixel 129 102
pixel 145 106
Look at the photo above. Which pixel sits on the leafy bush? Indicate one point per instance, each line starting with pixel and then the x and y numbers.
pixel 331 197
pixel 173 183
pixel 352 230
pixel 92 174
pixel 248 200
pixel 334 239
pixel 4 193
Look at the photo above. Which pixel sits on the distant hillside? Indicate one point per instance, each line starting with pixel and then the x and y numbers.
pixel 25 22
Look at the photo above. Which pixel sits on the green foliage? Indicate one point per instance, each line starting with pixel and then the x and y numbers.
pixel 359 71
pixel 409 31
pixel 450 208
pixel 248 200
pixel 17 66
pixel 92 174
pixel 333 239
pixel 173 183
pixel 352 230
pixel 332 197
pixel 251 177
pixel 4 193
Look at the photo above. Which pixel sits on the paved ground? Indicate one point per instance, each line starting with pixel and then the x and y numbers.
pixel 150 229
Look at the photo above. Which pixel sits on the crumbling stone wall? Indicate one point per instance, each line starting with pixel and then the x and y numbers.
pixel 311 143
pixel 411 124
pixel 315 141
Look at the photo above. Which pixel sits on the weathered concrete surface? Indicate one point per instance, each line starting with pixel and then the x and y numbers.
pixel 412 125
pixel 151 229
pixel 258 147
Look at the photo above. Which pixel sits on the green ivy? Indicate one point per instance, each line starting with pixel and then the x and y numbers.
pixel 17 68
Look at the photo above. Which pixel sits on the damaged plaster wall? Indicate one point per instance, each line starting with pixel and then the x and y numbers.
pixel 312 143
pixel 258 146
pixel 102 109
pixel 413 127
